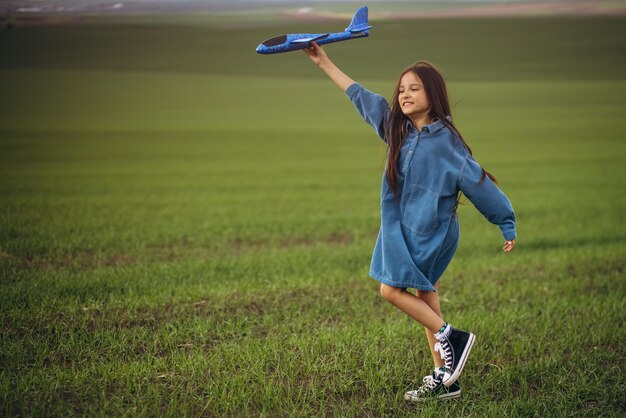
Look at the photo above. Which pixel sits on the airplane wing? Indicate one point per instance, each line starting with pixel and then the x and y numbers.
pixel 307 40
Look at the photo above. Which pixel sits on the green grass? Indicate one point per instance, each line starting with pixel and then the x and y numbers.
pixel 185 226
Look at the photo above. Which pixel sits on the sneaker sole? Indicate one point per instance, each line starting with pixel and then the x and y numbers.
pixel 462 360
pixel 443 397
pixel 450 395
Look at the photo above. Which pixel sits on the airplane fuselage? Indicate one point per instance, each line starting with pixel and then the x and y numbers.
pixel 358 28
pixel 285 43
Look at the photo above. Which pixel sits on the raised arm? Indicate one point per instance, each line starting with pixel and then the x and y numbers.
pixel 372 107
pixel 319 57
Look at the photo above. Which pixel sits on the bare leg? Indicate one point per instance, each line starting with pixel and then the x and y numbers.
pixel 413 306
pixel 432 300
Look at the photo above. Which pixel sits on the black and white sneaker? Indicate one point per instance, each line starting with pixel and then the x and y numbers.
pixel 454 346
pixel 433 388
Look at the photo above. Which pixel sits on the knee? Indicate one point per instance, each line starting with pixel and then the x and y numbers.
pixel 389 293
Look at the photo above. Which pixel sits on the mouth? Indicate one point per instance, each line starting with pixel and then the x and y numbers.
pixel 404 104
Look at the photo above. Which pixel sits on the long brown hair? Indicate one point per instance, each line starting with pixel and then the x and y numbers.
pixel 395 132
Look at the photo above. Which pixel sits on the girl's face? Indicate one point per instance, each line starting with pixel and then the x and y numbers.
pixel 412 96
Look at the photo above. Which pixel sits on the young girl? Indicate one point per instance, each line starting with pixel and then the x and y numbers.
pixel 428 166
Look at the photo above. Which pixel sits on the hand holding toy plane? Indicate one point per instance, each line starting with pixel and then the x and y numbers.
pixel 284 43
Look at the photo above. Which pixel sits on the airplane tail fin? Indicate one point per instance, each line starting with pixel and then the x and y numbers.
pixel 359 21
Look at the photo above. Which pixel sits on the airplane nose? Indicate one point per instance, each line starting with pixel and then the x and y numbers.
pixel 260 49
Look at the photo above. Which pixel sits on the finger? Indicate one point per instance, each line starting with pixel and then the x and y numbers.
pixel 315 47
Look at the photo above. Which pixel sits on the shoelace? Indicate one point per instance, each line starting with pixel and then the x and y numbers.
pixel 445 351
pixel 429 384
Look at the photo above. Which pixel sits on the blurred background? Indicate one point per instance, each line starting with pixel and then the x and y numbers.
pixel 186 225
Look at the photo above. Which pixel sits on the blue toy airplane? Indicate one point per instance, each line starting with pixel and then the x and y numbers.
pixel 284 43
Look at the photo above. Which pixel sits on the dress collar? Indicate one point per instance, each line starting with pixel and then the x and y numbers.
pixel 435 126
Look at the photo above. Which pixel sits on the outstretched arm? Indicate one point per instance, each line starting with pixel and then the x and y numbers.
pixel 319 57
pixel 489 200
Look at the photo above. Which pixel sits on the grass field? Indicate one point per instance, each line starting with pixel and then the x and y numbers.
pixel 186 226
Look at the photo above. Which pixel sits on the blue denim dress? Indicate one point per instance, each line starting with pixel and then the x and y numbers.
pixel 419 230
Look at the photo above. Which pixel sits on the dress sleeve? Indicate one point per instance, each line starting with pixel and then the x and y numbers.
pixel 487 198
pixel 372 107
